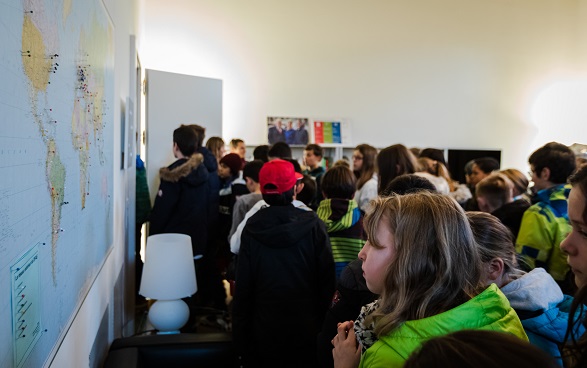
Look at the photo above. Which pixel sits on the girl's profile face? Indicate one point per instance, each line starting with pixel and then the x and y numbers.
pixel 575 244
pixel 357 160
pixel 375 259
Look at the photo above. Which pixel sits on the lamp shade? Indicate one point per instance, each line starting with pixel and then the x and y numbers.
pixel 169 271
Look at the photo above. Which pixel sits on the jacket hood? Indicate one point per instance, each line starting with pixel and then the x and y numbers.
pixel 338 214
pixel 537 292
pixel 184 170
pixel 209 161
pixel 281 226
pixel 555 197
pixel 534 291
pixel 489 310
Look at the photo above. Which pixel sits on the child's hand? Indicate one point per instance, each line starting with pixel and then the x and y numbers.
pixel 346 353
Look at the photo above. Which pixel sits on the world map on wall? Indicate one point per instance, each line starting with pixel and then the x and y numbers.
pixel 56 173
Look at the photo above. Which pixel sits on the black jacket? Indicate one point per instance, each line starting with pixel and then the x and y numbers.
pixel 510 214
pixel 284 284
pixel 211 165
pixel 181 202
pixel 351 294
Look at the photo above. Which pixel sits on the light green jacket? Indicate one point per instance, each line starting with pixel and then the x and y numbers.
pixel 489 310
pixel 544 226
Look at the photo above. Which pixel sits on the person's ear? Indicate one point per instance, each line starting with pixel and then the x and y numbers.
pixel 495 269
pixel 545 174
pixel 483 206
pixel 299 188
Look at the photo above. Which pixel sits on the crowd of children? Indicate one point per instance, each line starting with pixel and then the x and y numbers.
pixel 384 260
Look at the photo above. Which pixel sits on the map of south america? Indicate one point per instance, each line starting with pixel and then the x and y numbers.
pixel 40 61
pixel 38 64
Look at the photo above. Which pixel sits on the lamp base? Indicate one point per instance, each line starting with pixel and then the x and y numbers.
pixel 168 316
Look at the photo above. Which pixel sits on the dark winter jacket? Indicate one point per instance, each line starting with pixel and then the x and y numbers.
pixel 284 284
pixel 351 294
pixel 510 214
pixel 180 204
pixel 211 165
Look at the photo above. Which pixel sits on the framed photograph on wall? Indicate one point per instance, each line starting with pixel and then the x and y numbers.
pixel 291 130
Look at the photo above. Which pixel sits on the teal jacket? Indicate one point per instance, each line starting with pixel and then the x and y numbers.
pixel 544 225
pixel 543 310
pixel 489 310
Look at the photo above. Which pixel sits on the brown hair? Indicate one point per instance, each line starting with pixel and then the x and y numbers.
pixel 496 189
pixel 186 139
pixel 338 182
pixel 200 131
pixel 214 144
pixel 519 180
pixel 342 162
pixel 394 161
pixel 495 240
pixel 316 149
pixel 579 180
pixel 479 349
pixel 436 265
pixel 576 350
pixel 559 159
pixel 369 165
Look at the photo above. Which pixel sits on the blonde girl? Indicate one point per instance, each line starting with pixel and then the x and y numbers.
pixel 422 259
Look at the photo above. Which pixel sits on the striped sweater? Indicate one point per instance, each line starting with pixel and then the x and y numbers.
pixel 344 223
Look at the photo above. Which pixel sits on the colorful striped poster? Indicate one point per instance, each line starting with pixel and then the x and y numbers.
pixel 327 132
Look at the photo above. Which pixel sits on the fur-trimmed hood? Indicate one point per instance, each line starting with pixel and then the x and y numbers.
pixel 184 169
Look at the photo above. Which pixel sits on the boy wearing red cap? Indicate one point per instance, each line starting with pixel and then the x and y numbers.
pixel 285 273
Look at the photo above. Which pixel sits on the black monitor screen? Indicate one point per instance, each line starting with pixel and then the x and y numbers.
pixel 458 158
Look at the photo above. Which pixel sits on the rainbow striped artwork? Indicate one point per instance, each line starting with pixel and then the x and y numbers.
pixel 327 132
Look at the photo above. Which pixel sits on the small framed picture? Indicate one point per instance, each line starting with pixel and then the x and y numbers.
pixel 291 130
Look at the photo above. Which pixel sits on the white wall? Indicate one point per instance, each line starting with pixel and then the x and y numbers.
pixel 452 73
pixel 77 345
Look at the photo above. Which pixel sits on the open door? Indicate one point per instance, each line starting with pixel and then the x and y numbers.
pixel 175 99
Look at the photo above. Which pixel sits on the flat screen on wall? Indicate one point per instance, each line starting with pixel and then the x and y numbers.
pixel 458 158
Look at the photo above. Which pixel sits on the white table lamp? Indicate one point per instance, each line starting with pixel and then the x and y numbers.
pixel 168 276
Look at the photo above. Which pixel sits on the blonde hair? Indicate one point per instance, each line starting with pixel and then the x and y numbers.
pixel 436 266
pixel 437 169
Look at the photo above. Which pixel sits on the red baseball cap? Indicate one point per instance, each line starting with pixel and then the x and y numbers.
pixel 278 173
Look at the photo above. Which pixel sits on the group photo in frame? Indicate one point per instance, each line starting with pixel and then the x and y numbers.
pixel 291 130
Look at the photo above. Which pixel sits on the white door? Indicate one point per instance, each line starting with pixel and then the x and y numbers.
pixel 175 99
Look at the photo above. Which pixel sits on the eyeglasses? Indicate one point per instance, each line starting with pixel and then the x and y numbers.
pixel 358 158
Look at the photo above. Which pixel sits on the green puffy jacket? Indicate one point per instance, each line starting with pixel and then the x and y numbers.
pixel 544 226
pixel 489 310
